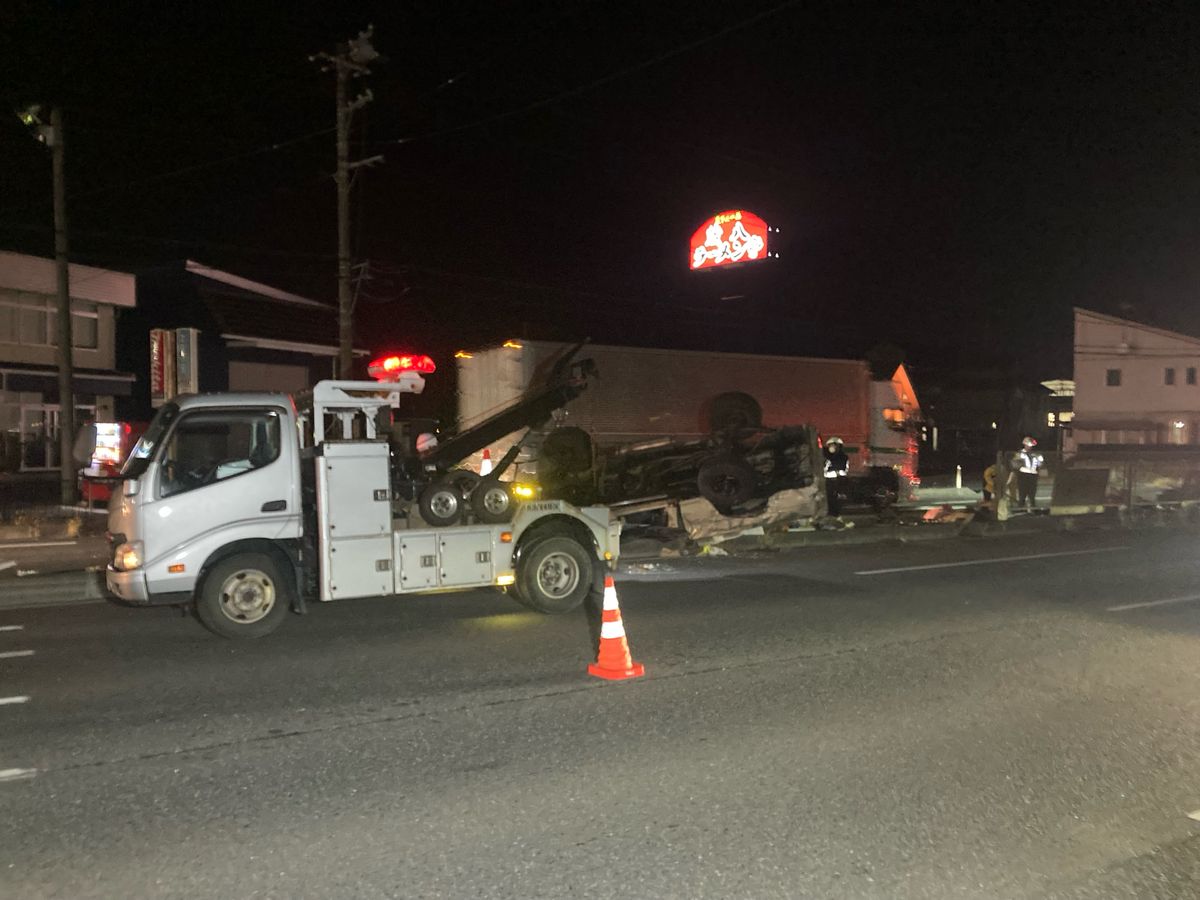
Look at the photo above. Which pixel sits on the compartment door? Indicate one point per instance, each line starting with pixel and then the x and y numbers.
pixel 417 567
pixel 466 558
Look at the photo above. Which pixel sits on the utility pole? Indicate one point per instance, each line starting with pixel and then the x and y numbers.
pixel 349 60
pixel 52 135
pixel 66 367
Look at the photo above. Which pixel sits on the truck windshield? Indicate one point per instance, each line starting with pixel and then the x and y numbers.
pixel 143 450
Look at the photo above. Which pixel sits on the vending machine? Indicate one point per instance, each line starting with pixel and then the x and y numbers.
pixel 114 440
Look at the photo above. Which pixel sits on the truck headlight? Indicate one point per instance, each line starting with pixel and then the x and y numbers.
pixel 128 556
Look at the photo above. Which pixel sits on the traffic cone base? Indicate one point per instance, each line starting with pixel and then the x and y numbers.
pixel 613 661
pixel 485 464
pixel 635 670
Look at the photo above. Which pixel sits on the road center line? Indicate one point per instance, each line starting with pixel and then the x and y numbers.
pixel 12 627
pixel 35 544
pixel 6 701
pixel 985 562
pixel 1190 598
pixel 8 564
pixel 13 654
pixel 16 774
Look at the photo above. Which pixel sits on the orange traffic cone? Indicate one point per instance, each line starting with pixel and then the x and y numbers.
pixel 613 661
pixel 485 464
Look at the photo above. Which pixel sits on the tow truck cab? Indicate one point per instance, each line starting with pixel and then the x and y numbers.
pixel 247 504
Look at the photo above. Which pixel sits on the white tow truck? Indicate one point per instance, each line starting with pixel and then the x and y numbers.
pixel 245 505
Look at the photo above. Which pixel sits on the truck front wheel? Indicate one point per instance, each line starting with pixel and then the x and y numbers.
pixel 243 596
pixel 554 575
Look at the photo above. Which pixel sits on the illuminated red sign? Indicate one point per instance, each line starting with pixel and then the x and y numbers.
pixel 730 237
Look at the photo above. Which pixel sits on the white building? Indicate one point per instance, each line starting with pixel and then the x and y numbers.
pixel 1134 384
pixel 28 363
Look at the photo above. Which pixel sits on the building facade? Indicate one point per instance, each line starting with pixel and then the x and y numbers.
pixel 1134 384
pixel 249 335
pixel 29 402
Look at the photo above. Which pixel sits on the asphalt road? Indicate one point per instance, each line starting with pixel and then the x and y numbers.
pixel 1000 729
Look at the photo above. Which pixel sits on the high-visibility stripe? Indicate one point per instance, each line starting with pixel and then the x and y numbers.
pixel 611 615
pixel 609 630
pixel 610 598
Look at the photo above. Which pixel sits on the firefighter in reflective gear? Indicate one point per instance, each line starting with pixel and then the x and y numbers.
pixel 1029 463
pixel 837 467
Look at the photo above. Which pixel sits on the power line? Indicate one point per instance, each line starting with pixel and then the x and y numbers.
pixel 187 170
pixel 172 242
pixel 606 79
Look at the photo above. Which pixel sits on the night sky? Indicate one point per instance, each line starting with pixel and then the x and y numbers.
pixel 949 178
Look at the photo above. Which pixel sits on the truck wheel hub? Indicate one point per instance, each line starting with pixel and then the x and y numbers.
pixel 247 596
pixel 558 575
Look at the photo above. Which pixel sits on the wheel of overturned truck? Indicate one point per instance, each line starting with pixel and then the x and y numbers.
pixel 567 449
pixel 492 502
pixel 554 575
pixel 441 504
pixel 733 410
pixel 726 482
pixel 243 596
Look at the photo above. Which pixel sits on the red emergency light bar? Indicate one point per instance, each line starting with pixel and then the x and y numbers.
pixel 388 368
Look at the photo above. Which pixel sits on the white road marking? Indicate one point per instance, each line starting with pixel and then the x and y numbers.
pixel 12 627
pixel 36 544
pixel 8 564
pixel 13 654
pixel 16 774
pixel 6 701
pixel 984 562
pixel 1190 598
pixel 1195 815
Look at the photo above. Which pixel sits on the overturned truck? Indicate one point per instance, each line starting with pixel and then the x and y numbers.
pixel 666 426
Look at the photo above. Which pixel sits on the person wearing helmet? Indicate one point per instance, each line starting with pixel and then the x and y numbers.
pixel 837 467
pixel 1029 463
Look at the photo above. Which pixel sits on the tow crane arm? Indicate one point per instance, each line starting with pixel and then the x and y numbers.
pixel 566 381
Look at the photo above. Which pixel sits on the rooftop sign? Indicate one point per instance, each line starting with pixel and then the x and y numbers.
pixel 727 238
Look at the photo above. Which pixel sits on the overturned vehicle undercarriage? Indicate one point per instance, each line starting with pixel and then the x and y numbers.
pixel 736 470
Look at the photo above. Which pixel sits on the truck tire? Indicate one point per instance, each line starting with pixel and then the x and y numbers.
pixel 492 502
pixel 441 504
pixel 732 411
pixel 567 449
pixel 243 596
pixel 726 482
pixel 554 575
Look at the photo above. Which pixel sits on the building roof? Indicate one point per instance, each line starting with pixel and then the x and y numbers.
pixel 249 313
pixel 38 275
pixel 1141 326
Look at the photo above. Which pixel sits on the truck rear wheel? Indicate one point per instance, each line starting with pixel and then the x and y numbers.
pixel 554 575
pixel 492 502
pixel 243 596
pixel 441 504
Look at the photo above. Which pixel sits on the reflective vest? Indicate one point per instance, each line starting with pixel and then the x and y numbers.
pixel 1029 461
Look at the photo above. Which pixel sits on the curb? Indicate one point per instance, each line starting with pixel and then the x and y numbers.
pixel 58 589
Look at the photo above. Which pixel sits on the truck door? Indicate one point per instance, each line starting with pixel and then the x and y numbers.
pixel 222 475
